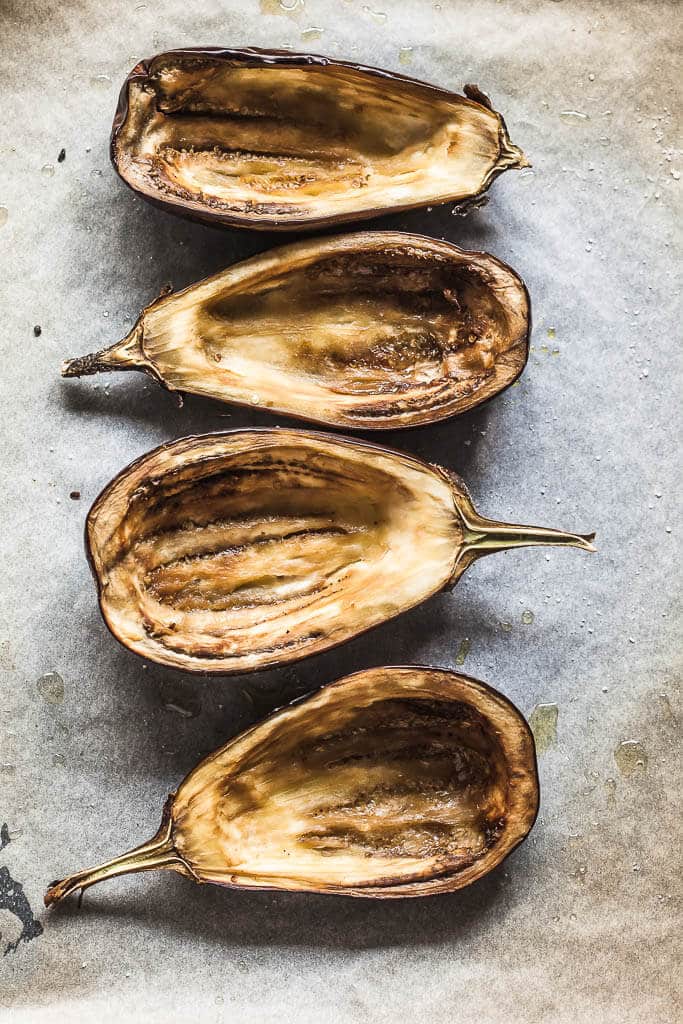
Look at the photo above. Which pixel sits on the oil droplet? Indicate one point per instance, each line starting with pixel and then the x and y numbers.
pixel 463 651
pixel 180 699
pixel 543 724
pixel 506 627
pixel 527 617
pixel 288 7
pixel 378 16
pixel 4 214
pixel 405 55
pixel 311 33
pixel 100 81
pixel 574 117
pixel 51 688
pixel 611 790
pixel 48 170
pixel 631 758
pixel 551 332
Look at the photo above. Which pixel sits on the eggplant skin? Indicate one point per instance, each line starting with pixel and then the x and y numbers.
pixel 376 330
pixel 229 553
pixel 273 140
pixel 396 781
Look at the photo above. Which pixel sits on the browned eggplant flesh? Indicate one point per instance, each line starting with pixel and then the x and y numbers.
pixel 377 330
pixel 278 140
pixel 232 552
pixel 391 782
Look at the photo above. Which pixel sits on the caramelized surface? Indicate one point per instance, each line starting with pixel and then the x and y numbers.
pixel 263 547
pixel 388 778
pixel 368 330
pixel 394 781
pixel 299 140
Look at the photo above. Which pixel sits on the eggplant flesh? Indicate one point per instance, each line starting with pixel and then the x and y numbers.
pixel 276 140
pixel 228 553
pixel 377 330
pixel 395 781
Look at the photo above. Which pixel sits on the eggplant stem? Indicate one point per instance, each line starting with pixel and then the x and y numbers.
pixel 510 155
pixel 127 354
pixel 159 852
pixel 484 536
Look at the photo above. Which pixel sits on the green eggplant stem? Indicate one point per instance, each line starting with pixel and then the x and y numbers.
pixel 484 536
pixel 159 852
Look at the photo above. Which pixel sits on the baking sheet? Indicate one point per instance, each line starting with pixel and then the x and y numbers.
pixel 581 923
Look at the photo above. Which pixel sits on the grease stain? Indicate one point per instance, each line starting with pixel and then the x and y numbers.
pixel 51 688
pixel 463 651
pixel 631 758
pixel 543 724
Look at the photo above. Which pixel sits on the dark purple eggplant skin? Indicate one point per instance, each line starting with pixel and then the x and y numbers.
pixel 254 56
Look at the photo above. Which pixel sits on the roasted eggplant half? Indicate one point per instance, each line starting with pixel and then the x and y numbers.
pixel 232 552
pixel 276 140
pixel 391 782
pixel 378 330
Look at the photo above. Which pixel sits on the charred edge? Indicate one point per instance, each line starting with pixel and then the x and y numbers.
pixel 127 354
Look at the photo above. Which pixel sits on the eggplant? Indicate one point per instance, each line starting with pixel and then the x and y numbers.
pixel 272 140
pixel 395 781
pixel 227 553
pixel 369 331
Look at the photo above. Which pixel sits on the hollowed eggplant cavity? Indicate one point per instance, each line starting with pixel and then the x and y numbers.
pixel 395 781
pixel 375 330
pixel 381 789
pixel 276 140
pixel 239 551
pixel 252 555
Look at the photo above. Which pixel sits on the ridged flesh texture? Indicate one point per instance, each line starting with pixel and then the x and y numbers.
pixel 234 552
pixel 371 331
pixel 393 779
pixel 275 143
